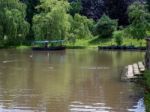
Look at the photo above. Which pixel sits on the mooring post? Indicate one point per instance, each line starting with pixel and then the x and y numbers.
pixel 147 56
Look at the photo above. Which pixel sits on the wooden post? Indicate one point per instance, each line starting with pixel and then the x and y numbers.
pixel 147 56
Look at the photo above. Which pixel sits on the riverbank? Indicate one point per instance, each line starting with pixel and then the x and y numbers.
pixel 16 47
pixel 120 48
pixel 95 43
pixel 102 43
pixel 23 47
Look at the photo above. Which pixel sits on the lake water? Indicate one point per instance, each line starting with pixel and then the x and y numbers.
pixel 68 81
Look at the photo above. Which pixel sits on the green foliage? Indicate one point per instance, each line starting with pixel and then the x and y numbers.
pixel 147 94
pixel 81 27
pixel 105 27
pixel 75 7
pixel 53 21
pixel 13 27
pixel 147 102
pixel 31 9
pixel 139 19
pixel 59 19
pixel 30 12
pixel 49 5
pixel 147 77
pixel 23 47
pixel 118 35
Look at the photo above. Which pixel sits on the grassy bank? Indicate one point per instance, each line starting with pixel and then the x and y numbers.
pixel 105 42
pixel 22 47
pixel 147 90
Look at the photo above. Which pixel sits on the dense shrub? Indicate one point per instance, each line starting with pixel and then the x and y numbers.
pixel 147 101
pixel 118 36
pixel 147 93
pixel 147 77
pixel 105 27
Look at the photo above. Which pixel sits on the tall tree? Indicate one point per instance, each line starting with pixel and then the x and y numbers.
pixel 81 27
pixel 52 22
pixel 31 11
pixel 13 26
pixel 76 7
pixel 139 20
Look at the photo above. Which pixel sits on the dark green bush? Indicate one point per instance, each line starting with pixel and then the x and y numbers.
pixel 147 77
pixel 118 36
pixel 147 92
pixel 147 101
pixel 105 27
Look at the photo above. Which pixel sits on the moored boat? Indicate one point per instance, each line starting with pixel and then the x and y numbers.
pixel 54 45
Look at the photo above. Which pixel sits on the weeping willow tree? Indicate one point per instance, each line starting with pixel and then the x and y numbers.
pixel 53 21
pixel 81 27
pixel 13 27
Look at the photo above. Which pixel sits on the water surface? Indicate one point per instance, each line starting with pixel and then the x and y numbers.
pixel 67 81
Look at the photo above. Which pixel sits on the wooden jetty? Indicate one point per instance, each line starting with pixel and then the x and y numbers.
pixel 133 72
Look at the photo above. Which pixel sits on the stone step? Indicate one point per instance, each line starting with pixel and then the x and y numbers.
pixel 133 72
pixel 136 70
pixel 129 72
pixel 141 66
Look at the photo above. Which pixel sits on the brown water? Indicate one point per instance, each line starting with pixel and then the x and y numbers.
pixel 67 81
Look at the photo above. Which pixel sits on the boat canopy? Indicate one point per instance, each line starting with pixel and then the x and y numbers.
pixel 46 41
